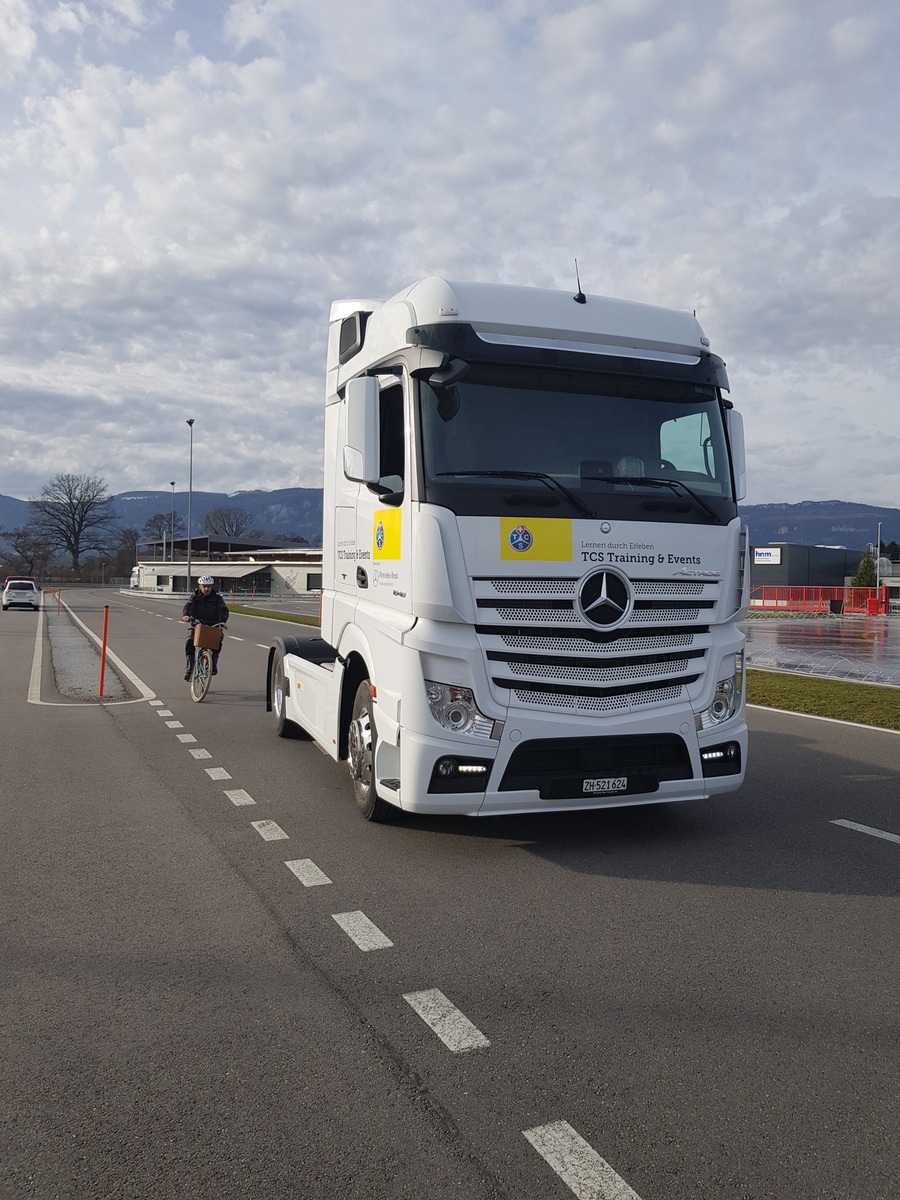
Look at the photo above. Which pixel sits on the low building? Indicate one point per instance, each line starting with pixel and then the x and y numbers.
pixel 815 568
pixel 279 572
pixel 784 564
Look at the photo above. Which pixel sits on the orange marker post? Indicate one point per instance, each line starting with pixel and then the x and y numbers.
pixel 103 647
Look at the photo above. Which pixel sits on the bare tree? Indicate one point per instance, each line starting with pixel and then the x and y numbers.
pixel 29 553
pixel 223 521
pixel 74 514
pixel 159 526
pixel 127 541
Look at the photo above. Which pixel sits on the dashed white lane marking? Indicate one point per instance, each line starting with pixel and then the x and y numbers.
pixel 307 872
pixel 174 725
pixel 155 703
pixel 269 831
pixel 454 1029
pixel 879 833
pixel 577 1164
pixel 186 737
pixel 239 796
pixel 361 930
pixel 260 646
pixel 199 754
pixel 235 639
pixel 217 773
pixel 164 712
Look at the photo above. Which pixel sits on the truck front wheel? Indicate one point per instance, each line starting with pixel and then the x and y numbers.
pixel 362 741
pixel 277 690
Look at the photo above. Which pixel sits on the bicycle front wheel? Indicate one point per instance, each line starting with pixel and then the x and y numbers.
pixel 202 676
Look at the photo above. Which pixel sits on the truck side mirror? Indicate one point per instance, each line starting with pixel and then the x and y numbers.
pixel 738 453
pixel 361 449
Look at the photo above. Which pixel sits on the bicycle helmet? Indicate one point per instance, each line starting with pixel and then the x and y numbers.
pixel 205 581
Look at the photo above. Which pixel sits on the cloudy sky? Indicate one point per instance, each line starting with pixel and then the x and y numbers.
pixel 187 184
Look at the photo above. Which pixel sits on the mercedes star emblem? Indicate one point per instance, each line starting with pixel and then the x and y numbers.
pixel 605 599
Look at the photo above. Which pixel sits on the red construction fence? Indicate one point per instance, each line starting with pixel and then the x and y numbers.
pixel 843 601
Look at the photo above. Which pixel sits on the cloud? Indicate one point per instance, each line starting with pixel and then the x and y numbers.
pixel 186 188
pixel 17 40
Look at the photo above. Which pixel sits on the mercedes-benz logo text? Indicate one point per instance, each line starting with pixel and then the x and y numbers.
pixel 605 599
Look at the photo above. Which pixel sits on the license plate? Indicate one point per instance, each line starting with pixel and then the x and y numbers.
pixel 594 787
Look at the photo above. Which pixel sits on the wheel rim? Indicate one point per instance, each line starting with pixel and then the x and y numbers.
pixel 360 748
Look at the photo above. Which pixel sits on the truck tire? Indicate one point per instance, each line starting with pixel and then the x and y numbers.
pixel 362 740
pixel 278 687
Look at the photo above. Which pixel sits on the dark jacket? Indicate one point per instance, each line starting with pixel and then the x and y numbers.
pixel 208 610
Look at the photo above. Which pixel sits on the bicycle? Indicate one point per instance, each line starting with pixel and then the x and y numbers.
pixel 205 642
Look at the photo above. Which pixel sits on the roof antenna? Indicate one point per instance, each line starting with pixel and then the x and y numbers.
pixel 579 297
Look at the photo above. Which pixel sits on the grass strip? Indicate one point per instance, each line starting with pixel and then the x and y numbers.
pixel 297 618
pixel 861 703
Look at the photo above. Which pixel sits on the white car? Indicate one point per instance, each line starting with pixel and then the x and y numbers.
pixel 21 593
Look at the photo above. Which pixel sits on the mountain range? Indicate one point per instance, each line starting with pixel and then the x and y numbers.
pixel 288 512
pixel 297 512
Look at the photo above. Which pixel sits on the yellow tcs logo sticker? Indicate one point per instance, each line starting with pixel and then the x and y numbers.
pixel 386 533
pixel 536 538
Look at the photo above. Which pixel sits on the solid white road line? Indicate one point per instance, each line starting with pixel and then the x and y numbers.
pixel 577 1164
pixel 455 1030
pixel 783 712
pixel 217 773
pixel 239 796
pixel 269 831
pixel 879 833
pixel 307 872
pixel 362 931
pixel 199 754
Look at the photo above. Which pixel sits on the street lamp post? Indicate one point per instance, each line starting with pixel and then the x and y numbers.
pixel 190 491
pixel 172 531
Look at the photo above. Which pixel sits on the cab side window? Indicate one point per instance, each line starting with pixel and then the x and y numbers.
pixel 392 442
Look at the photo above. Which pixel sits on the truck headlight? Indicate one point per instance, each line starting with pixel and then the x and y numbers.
pixel 454 708
pixel 727 698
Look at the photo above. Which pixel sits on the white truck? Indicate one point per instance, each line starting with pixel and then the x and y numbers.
pixel 534 568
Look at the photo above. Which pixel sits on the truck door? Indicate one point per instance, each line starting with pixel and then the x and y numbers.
pixel 383 527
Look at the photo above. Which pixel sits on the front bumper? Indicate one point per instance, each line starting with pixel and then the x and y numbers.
pixel 540 764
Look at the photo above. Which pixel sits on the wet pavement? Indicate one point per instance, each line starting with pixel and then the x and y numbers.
pixel 863 649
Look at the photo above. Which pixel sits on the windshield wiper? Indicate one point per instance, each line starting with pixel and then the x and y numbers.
pixel 672 484
pixel 542 476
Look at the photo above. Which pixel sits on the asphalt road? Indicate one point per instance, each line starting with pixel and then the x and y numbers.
pixel 693 1002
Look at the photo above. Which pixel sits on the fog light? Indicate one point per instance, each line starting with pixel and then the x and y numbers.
pixel 459 775
pixel 721 760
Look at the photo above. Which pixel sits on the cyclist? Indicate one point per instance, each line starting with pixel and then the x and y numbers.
pixel 206 607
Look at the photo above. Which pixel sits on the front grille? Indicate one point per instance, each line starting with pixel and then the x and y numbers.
pixel 556 768
pixel 543 654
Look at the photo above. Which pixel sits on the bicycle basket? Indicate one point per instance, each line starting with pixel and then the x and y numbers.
pixel 207 637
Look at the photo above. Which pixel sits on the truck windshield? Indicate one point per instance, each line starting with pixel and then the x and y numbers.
pixel 509 439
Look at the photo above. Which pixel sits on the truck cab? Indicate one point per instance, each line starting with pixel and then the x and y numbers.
pixel 533 560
